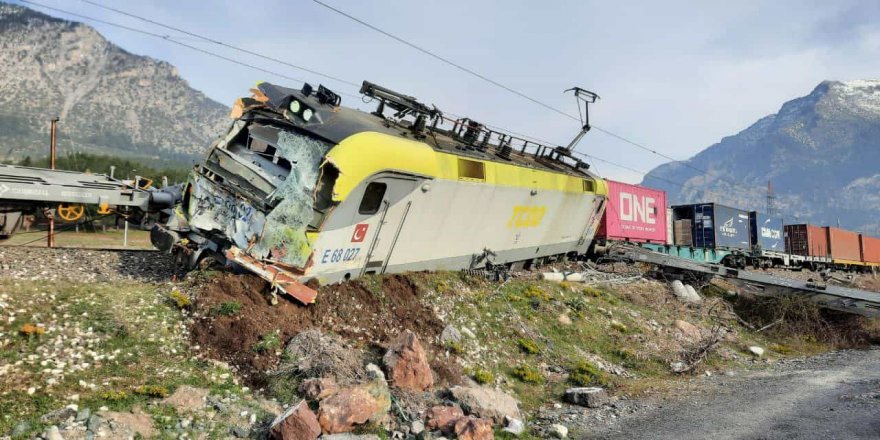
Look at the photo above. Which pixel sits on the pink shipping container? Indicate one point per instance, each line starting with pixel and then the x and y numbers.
pixel 844 245
pixel 634 213
pixel 870 249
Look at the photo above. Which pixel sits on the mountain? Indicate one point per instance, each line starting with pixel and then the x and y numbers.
pixel 109 101
pixel 821 152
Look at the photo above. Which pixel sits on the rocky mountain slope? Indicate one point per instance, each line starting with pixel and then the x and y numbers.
pixel 109 101
pixel 821 152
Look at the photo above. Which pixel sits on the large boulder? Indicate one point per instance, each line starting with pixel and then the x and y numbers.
pixel 407 363
pixel 443 418
pixel 297 423
pixel 355 405
pixel 591 397
pixel 471 428
pixel 187 398
pixel 688 331
pixel 486 402
pixel 318 388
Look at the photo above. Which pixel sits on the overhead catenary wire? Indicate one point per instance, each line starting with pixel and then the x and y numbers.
pixel 284 76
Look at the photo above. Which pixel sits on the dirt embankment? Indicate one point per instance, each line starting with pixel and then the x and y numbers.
pixel 368 313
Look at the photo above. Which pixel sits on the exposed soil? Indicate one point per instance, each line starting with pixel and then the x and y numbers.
pixel 369 319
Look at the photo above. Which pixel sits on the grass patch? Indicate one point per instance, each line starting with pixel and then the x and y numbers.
pixel 528 346
pixel 484 377
pixel 584 374
pixel 527 374
pixel 228 308
pixel 268 342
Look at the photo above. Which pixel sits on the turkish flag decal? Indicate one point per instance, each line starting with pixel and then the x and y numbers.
pixel 360 232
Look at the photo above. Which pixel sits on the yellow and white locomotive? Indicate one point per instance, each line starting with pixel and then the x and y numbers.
pixel 301 188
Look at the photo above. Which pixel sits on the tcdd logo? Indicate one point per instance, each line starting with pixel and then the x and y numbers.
pixel 360 232
pixel 634 209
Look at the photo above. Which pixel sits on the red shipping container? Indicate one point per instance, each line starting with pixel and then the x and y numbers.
pixel 870 249
pixel 844 245
pixel 634 213
pixel 807 240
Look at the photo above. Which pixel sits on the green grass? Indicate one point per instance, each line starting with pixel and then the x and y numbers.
pixel 229 308
pixel 137 337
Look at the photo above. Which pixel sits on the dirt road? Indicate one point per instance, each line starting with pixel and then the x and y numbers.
pixel 833 396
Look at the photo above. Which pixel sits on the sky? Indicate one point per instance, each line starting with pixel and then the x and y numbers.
pixel 672 76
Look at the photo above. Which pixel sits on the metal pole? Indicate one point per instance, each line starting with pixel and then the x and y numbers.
pixel 125 235
pixel 53 138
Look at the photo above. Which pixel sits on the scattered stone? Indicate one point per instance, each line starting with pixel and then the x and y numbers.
pixel 129 424
pixel 369 402
pixel 471 428
pixel 467 332
pixel 297 423
pixel 347 436
pixel 407 363
pixel 450 334
pixel 187 398
pixel 559 431
pixel 239 432
pixel 688 331
pixel 53 434
pixel 83 415
pixel 416 427
pixel 58 416
pixel 21 428
pixel 757 351
pixel 591 397
pixel 486 402
pixel 318 388
pixel 678 367
pixel 375 373
pixel 564 319
pixel 443 418
pixel 94 423
pixel 514 426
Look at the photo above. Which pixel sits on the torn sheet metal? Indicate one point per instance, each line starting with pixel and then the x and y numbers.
pixel 281 279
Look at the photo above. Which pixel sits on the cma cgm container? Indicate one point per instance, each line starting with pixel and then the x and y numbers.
pixel 634 213
pixel 871 250
pixel 806 240
pixel 844 246
pixel 710 225
pixel 766 232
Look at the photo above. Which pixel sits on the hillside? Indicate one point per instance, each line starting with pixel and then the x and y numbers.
pixel 821 153
pixel 109 101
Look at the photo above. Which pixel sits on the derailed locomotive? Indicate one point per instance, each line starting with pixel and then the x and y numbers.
pixel 301 188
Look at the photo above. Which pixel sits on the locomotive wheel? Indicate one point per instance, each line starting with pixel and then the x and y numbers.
pixel 70 212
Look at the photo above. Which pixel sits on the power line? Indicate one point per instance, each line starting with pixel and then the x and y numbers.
pixel 502 86
pixel 220 43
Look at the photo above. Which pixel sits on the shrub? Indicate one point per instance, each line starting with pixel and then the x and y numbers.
pixel 31 330
pixel 535 292
pixel 180 299
pixel 781 349
pixel 585 374
pixel 269 341
pixel 484 376
pixel 528 346
pixel 455 347
pixel 619 326
pixel 114 395
pixel 527 374
pixel 577 305
pixel 592 291
pixel 152 391
pixel 228 308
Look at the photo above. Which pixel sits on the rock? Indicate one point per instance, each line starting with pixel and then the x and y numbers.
pixel 443 418
pixel 514 426
pixel 83 415
pixel 684 294
pixel 591 397
pixel 757 351
pixel 318 388
pixel 558 431
pixel 53 434
pixel 416 427
pixel 375 373
pixel 450 334
pixel 407 363
pixel 94 423
pixel 350 436
pixel 678 367
pixel 129 424
pixel 187 398
pixel 564 319
pixel 355 405
pixel 239 432
pixel 471 428
pixel 21 428
pixel 486 402
pixel 688 331
pixel 467 332
pixel 692 293
pixel 297 423
pixel 58 416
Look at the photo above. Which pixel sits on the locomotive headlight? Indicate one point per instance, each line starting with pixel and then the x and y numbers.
pixel 307 114
pixel 295 106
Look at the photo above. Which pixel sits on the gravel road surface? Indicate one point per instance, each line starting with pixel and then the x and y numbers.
pixel 832 396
